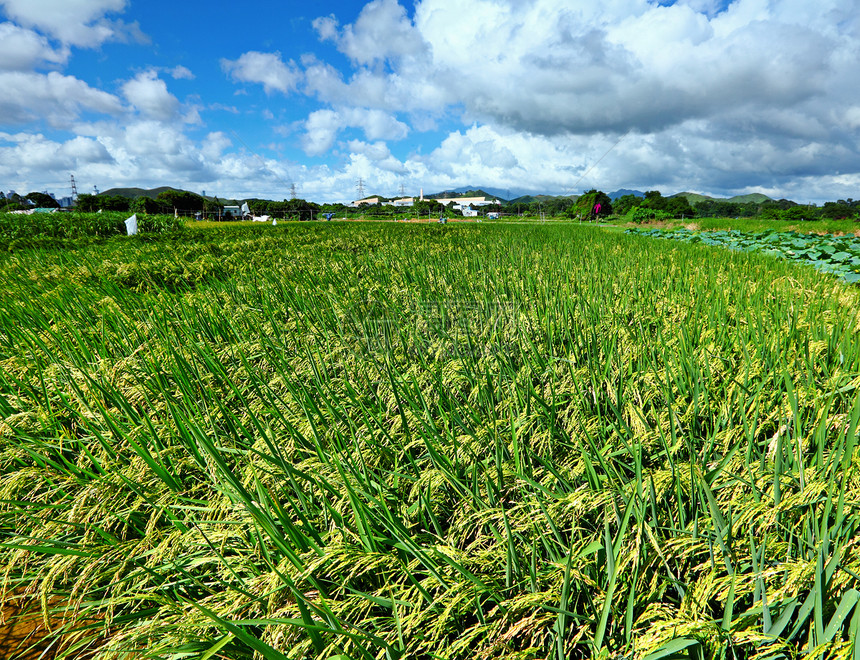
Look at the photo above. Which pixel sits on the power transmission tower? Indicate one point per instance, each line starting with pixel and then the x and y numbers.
pixel 402 190
pixel 74 188
pixel 293 193
pixel 359 186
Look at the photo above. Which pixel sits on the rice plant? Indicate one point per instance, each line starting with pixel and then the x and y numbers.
pixel 53 230
pixel 389 441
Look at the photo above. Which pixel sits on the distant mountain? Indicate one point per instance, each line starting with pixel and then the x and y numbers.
pixel 624 191
pixel 492 193
pixel 134 193
pixel 758 198
pixel 528 199
pixel 695 198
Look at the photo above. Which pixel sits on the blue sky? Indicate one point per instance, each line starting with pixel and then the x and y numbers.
pixel 521 95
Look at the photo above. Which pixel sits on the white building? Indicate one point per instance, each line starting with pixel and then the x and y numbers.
pixel 465 202
pixel 371 201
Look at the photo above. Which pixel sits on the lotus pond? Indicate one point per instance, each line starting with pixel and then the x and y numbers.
pixel 829 253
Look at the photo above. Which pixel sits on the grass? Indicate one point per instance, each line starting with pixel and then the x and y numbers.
pixel 757 225
pixel 389 441
pixel 58 230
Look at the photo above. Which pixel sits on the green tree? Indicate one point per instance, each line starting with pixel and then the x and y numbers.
pixel 427 207
pixel 796 213
pixel 679 207
pixel 623 204
pixel 42 200
pixel 87 203
pixel 586 205
pixel 838 210
pixel 114 203
pixel 181 201
pixel 145 204
pixel 654 200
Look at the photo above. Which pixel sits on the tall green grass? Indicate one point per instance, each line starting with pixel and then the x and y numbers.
pixel 52 230
pixel 385 441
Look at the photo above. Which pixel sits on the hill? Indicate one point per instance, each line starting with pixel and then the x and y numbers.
pixel 464 192
pixel 758 198
pixel 528 199
pixel 624 191
pixel 695 198
pixel 134 193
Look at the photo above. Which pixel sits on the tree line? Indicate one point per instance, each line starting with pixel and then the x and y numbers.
pixel 652 205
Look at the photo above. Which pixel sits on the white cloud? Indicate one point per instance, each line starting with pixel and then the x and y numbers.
pixel 323 126
pixel 267 69
pixel 75 22
pixel 382 31
pixel 25 157
pixel 321 129
pixel 81 150
pixel 23 50
pixel 180 72
pixel 715 93
pixel 378 154
pixel 149 95
pixel 215 145
pixel 552 68
pixel 54 98
pixel 326 27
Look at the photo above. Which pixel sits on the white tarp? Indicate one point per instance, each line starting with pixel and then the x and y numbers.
pixel 245 209
pixel 260 218
pixel 131 225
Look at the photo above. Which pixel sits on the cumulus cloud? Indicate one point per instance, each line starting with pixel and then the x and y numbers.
pixel 180 72
pixel 321 129
pixel 326 27
pixel 552 68
pixel 267 69
pixel 75 22
pixel 53 98
pixel 382 31
pixel 708 91
pixel 26 156
pixel 82 150
pixel 23 50
pixel 148 93
pixel 378 154
pixel 323 126
pixel 215 144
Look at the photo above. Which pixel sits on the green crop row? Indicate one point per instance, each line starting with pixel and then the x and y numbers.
pixel 389 441
pixel 19 231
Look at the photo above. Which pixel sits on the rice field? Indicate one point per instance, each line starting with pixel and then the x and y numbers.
pixel 402 441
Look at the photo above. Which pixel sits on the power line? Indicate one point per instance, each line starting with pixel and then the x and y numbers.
pixel 262 161
pixel 576 185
